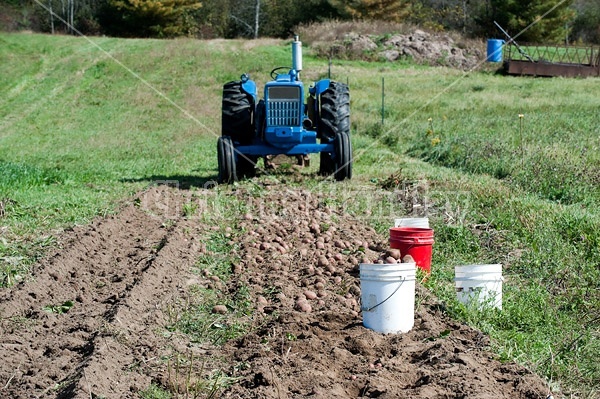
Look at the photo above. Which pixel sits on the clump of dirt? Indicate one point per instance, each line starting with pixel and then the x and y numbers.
pixel 299 254
pixel 420 46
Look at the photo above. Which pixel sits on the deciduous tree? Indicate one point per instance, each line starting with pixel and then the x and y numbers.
pixel 384 10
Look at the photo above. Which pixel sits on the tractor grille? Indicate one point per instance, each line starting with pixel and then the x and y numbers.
pixel 283 106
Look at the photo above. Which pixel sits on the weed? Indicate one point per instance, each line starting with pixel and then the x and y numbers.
pixel 154 392
pixel 190 209
pixel 188 379
pixel 59 309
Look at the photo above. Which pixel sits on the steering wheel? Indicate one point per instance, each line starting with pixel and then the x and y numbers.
pixel 274 75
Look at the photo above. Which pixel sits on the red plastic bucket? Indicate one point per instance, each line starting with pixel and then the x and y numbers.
pixel 414 241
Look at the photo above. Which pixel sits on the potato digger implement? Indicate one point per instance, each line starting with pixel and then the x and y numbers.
pixel 283 123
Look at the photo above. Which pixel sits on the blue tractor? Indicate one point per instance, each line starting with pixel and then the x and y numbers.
pixel 283 123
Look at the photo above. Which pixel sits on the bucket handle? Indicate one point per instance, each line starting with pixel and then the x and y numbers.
pixel 382 302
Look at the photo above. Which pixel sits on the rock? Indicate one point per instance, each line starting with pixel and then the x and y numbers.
pixel 262 300
pixel 390 55
pixel 220 309
pixel 359 43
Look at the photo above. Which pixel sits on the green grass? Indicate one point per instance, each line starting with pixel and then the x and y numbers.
pixel 196 318
pixel 79 133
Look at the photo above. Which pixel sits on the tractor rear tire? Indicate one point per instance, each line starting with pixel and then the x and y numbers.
pixel 334 111
pixel 237 109
pixel 226 160
pixel 343 157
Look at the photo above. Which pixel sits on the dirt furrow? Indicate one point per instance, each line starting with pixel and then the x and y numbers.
pixel 90 310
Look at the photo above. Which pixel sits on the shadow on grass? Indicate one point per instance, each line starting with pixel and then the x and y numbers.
pixel 182 182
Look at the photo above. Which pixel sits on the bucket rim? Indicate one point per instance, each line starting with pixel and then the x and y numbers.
pixel 412 229
pixel 479 268
pixel 395 267
pixel 399 222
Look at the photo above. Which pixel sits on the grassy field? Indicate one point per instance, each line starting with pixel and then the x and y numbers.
pixel 507 168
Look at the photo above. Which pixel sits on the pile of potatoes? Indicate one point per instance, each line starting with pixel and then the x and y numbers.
pixel 306 254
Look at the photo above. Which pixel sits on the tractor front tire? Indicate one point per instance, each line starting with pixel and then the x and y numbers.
pixel 246 165
pixel 237 109
pixel 226 160
pixel 334 115
pixel 326 164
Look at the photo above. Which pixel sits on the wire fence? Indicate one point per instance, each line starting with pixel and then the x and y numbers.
pixel 558 54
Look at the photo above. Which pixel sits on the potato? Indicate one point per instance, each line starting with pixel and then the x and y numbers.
pixel 408 259
pixel 394 253
pixel 302 305
pixel 310 295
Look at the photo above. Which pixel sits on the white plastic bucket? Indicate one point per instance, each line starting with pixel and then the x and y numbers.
pixel 422 223
pixel 388 296
pixel 479 284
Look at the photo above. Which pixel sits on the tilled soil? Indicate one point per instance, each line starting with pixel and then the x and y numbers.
pixel 298 259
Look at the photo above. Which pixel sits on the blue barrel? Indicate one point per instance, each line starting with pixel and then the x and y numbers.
pixel 494 50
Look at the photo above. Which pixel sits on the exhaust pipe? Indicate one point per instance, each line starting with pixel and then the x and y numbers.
pixel 297 56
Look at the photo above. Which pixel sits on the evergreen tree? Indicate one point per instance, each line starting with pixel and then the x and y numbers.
pixel 586 26
pixel 146 18
pixel 539 21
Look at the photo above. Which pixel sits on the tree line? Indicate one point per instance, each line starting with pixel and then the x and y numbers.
pixel 542 21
